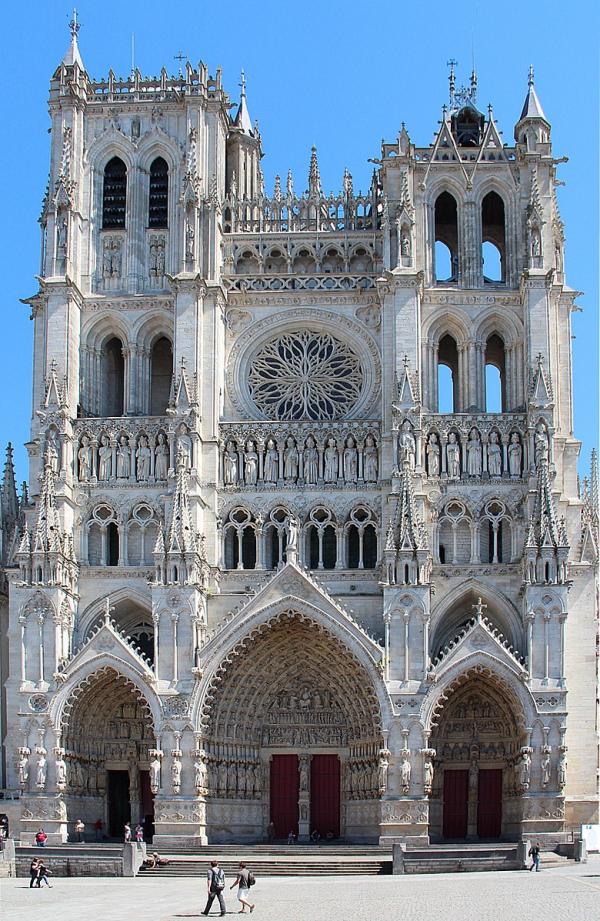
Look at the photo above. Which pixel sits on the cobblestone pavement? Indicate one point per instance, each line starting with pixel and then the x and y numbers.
pixel 572 893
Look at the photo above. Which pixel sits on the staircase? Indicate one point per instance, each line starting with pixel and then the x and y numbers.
pixel 453 858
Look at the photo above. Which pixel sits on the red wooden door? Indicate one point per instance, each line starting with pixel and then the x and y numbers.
pixel 285 787
pixel 325 795
pixel 456 804
pixel 489 804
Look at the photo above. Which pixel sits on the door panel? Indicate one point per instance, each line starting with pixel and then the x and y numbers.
pixel 325 795
pixel 119 809
pixel 456 804
pixel 489 804
pixel 285 788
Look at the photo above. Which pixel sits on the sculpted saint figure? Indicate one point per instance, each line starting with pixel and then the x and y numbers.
pixel 562 770
pixel 51 452
pixel 200 774
pixel 524 770
pixel 290 460
pixel 474 454
pixel 407 444
pixel 23 768
pixel 230 464
pixel 123 459
pixel 84 456
pixel 250 464
pixel 271 471
pixel 515 454
pixel 303 775
pixel 331 461
pixel 155 774
pixel 350 461
pixel 427 774
pixel 494 456
pixel 176 773
pixel 433 455
pixel 405 770
pixel 541 444
pixel 61 772
pixel 311 461
pixel 161 453
pixel 41 771
pixel 105 459
pixel 184 446
pixel 546 769
pixel 143 455
pixel 453 457
pixel 370 460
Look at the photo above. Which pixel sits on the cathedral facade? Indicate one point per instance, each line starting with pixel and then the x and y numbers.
pixel 282 560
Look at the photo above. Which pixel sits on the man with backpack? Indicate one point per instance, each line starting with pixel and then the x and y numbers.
pixel 215 880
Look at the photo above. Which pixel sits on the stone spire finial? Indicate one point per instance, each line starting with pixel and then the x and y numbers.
pixel 9 497
pixel 47 535
pixel 314 177
pixel 289 184
pixel 277 189
pixel 242 119
pixel 532 107
pixel 73 56
pixel 546 546
pixel 181 534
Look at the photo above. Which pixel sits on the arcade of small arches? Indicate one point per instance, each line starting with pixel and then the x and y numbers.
pixel 491 534
pixel 253 542
pixel 120 539
pixel 302 259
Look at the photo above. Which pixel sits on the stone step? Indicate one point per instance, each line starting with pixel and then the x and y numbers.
pixel 268 868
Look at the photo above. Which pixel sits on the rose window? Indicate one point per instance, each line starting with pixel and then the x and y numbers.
pixel 305 375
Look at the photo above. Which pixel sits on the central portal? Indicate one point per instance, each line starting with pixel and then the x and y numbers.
pixel 289 803
pixel 285 789
pixel 325 795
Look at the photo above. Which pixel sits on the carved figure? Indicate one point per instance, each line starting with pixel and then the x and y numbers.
pixel 290 461
pixel 23 769
pixel 524 770
pixel 61 773
pixel 292 539
pixel 494 456
pixel 350 461
pixel 271 471
pixel 405 243
pixel 473 775
pixel 105 459
pixel 453 457
pixel 189 241
pixel 222 778
pixel 331 461
pixel 176 774
pixel 474 453
pixel 51 452
pixel 303 775
pixel 515 454
pixel 84 456
pixel 250 464
pixel 541 444
pixel 407 445
pixel 161 453
pixel 61 237
pixel 546 768
pixel 370 460
pixel 184 446
pixel 433 455
pixel 427 775
pixel 382 770
pixel 405 771
pixel 311 462
pixel 200 774
pixel 562 770
pixel 123 458
pixel 155 774
pixel 230 464
pixel 42 765
pixel 143 455
pixel 536 243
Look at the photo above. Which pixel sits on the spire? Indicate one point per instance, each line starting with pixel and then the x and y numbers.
pixel 72 55
pixel 409 530
pixel 9 497
pixel 547 545
pixel 314 177
pixel 590 519
pixel 532 107
pixel 277 189
pixel 242 119
pixel 47 535
pixel 181 535
pixel 407 557
pixel 180 559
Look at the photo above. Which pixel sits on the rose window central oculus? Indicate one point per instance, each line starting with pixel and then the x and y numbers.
pixel 305 375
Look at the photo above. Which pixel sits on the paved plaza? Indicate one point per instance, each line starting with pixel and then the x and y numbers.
pixel 572 892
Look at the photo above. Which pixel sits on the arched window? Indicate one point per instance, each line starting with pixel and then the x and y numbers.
pixel 361 548
pixel 114 194
pixel 493 239
pixel 113 377
pixel 276 538
pixel 142 531
pixel 454 536
pixel 322 540
pixel 446 232
pixel 240 540
pixel 447 375
pixel 160 376
pixel 495 377
pixel 158 199
pixel 112 549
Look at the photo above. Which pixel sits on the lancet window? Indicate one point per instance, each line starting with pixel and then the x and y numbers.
pixel 114 194
pixel 158 197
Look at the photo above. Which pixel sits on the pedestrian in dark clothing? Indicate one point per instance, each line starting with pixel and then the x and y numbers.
pixel 42 877
pixel 215 881
pixel 534 853
pixel 34 869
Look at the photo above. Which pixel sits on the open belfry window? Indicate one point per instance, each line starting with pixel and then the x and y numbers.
pixel 158 199
pixel 114 194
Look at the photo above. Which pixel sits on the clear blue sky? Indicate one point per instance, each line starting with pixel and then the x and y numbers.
pixel 341 75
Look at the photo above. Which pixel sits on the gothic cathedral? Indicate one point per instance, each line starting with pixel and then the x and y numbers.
pixel 303 544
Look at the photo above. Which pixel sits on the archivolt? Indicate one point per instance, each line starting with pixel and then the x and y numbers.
pixel 92 702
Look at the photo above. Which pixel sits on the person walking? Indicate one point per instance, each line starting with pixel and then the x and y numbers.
pixel 42 876
pixel 215 881
pixel 127 832
pixel 139 834
pixel 79 830
pixel 41 838
pixel 534 853
pixel 243 882
pixel 34 869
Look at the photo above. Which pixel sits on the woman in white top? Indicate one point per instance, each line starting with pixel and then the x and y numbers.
pixel 241 881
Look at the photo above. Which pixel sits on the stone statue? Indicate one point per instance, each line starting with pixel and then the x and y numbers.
pixel 473 775
pixel 222 778
pixel 230 464
pixel 407 445
pixel 382 770
pixel 42 765
pixel 453 457
pixel 474 453
pixel 405 770
pixel 303 775
pixel 515 455
pixel 51 452
pixel 427 775
pixel 405 243
pixel 200 774
pixel 143 455
pixel 23 769
pixel 176 774
pixel 184 446
pixel 562 770
pixel 433 455
pixel 61 237
pixel 271 470
pixel 189 241
pixel 524 770
pixel 123 458
pixel 545 768
pixel 331 461
pixel 541 444
pixel 290 461
pixel 250 464
pixel 84 456
pixel 292 539
pixel 161 453
pixel 370 460
pixel 536 243
pixel 350 461
pixel 155 774
pixel 61 772
pixel 105 459
pixel 494 456
pixel 311 462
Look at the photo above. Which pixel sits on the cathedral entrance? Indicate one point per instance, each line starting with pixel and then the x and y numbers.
pixel 293 738
pixel 476 740
pixel 119 807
